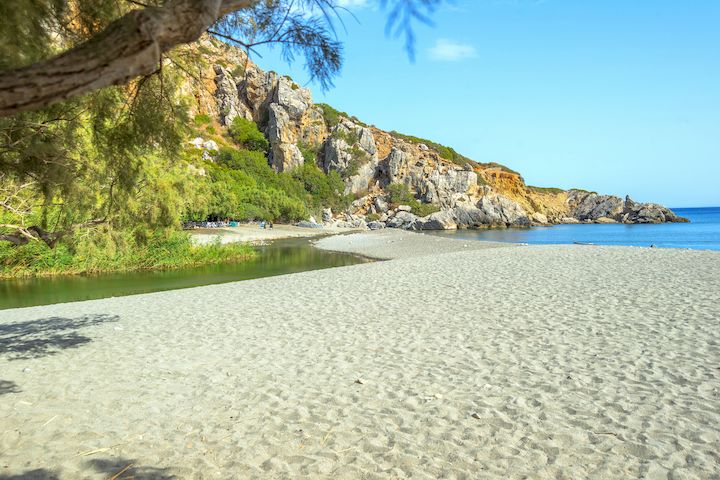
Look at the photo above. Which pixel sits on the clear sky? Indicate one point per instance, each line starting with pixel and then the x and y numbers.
pixel 616 96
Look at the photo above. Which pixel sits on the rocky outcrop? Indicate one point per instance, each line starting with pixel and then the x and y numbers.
pixel 466 193
pixel 591 207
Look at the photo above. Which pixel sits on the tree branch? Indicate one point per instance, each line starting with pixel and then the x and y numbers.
pixel 129 47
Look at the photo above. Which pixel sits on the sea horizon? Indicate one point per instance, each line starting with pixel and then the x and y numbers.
pixel 702 233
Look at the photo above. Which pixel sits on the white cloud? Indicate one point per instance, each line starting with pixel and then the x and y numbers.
pixel 451 51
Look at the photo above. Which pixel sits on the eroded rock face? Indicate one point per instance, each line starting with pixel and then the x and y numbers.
pixel 350 150
pixel 227 97
pixel 369 160
pixel 441 187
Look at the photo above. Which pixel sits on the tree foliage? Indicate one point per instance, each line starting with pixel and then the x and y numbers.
pixel 247 135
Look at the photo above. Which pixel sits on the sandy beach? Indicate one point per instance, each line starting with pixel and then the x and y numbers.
pixel 450 360
pixel 251 232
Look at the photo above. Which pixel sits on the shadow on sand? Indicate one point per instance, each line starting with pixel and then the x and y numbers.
pixel 46 336
pixel 115 468
pixel 7 386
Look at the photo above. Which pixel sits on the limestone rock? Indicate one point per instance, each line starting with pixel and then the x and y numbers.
pixel 227 98
pixel 404 220
pixel 327 215
pixel 539 218
pixel 376 225
pixel 443 220
pixel 381 205
pixel 441 187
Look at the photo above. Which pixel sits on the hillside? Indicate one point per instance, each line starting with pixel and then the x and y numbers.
pixel 396 180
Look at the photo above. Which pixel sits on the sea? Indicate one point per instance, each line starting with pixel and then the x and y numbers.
pixel 702 233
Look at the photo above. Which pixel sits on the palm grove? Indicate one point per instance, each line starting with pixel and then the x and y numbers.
pixel 95 129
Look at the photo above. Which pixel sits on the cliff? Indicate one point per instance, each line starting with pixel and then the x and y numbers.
pixel 444 189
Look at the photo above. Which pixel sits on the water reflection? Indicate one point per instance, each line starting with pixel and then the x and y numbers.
pixel 281 257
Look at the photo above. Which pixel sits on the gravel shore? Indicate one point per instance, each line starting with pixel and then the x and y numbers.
pixel 449 361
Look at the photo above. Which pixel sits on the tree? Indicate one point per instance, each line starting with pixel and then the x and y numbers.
pixel 131 41
pixel 90 114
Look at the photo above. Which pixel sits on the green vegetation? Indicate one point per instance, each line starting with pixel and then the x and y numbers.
pixel 243 186
pixel 547 190
pixel 332 116
pixel 309 152
pixel 238 71
pixel 500 167
pixel 202 119
pixel 400 194
pixel 246 134
pixel 101 253
pixel 372 217
pixel 447 153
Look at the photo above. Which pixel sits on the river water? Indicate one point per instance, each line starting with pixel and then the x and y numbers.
pixel 279 258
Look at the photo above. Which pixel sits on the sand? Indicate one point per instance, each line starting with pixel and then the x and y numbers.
pixel 253 233
pixel 524 362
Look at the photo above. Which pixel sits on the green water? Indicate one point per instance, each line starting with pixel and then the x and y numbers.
pixel 279 258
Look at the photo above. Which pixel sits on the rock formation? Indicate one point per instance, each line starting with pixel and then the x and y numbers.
pixel 466 194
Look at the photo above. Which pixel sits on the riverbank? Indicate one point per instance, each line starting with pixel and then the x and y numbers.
pixel 448 361
pixel 161 252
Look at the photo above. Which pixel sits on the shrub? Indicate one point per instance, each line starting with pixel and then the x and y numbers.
pixel 549 190
pixel 400 194
pixel 106 251
pixel 331 115
pixel 238 71
pixel 246 134
pixel 447 153
pixel 372 217
pixel 309 152
pixel 202 119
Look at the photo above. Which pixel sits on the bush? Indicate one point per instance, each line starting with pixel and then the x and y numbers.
pixel 447 153
pixel 202 119
pixel 238 71
pixel 245 187
pixel 246 134
pixel 548 190
pixel 400 195
pixel 332 117
pixel 309 152
pixel 112 251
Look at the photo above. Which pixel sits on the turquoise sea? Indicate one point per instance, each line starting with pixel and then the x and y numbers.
pixel 702 233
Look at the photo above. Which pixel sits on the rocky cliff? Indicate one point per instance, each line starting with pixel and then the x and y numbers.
pixel 463 193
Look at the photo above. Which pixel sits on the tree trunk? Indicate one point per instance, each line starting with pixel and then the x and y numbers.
pixel 129 47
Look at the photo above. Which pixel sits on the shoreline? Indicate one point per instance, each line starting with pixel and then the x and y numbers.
pixel 252 233
pixel 448 360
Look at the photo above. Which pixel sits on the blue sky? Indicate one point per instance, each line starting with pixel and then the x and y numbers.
pixel 617 96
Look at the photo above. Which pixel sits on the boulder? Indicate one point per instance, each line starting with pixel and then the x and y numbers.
pixel 404 220
pixel 404 208
pixel 381 205
pixel 308 224
pixel 394 164
pixel 327 215
pixel 376 225
pixel 443 220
